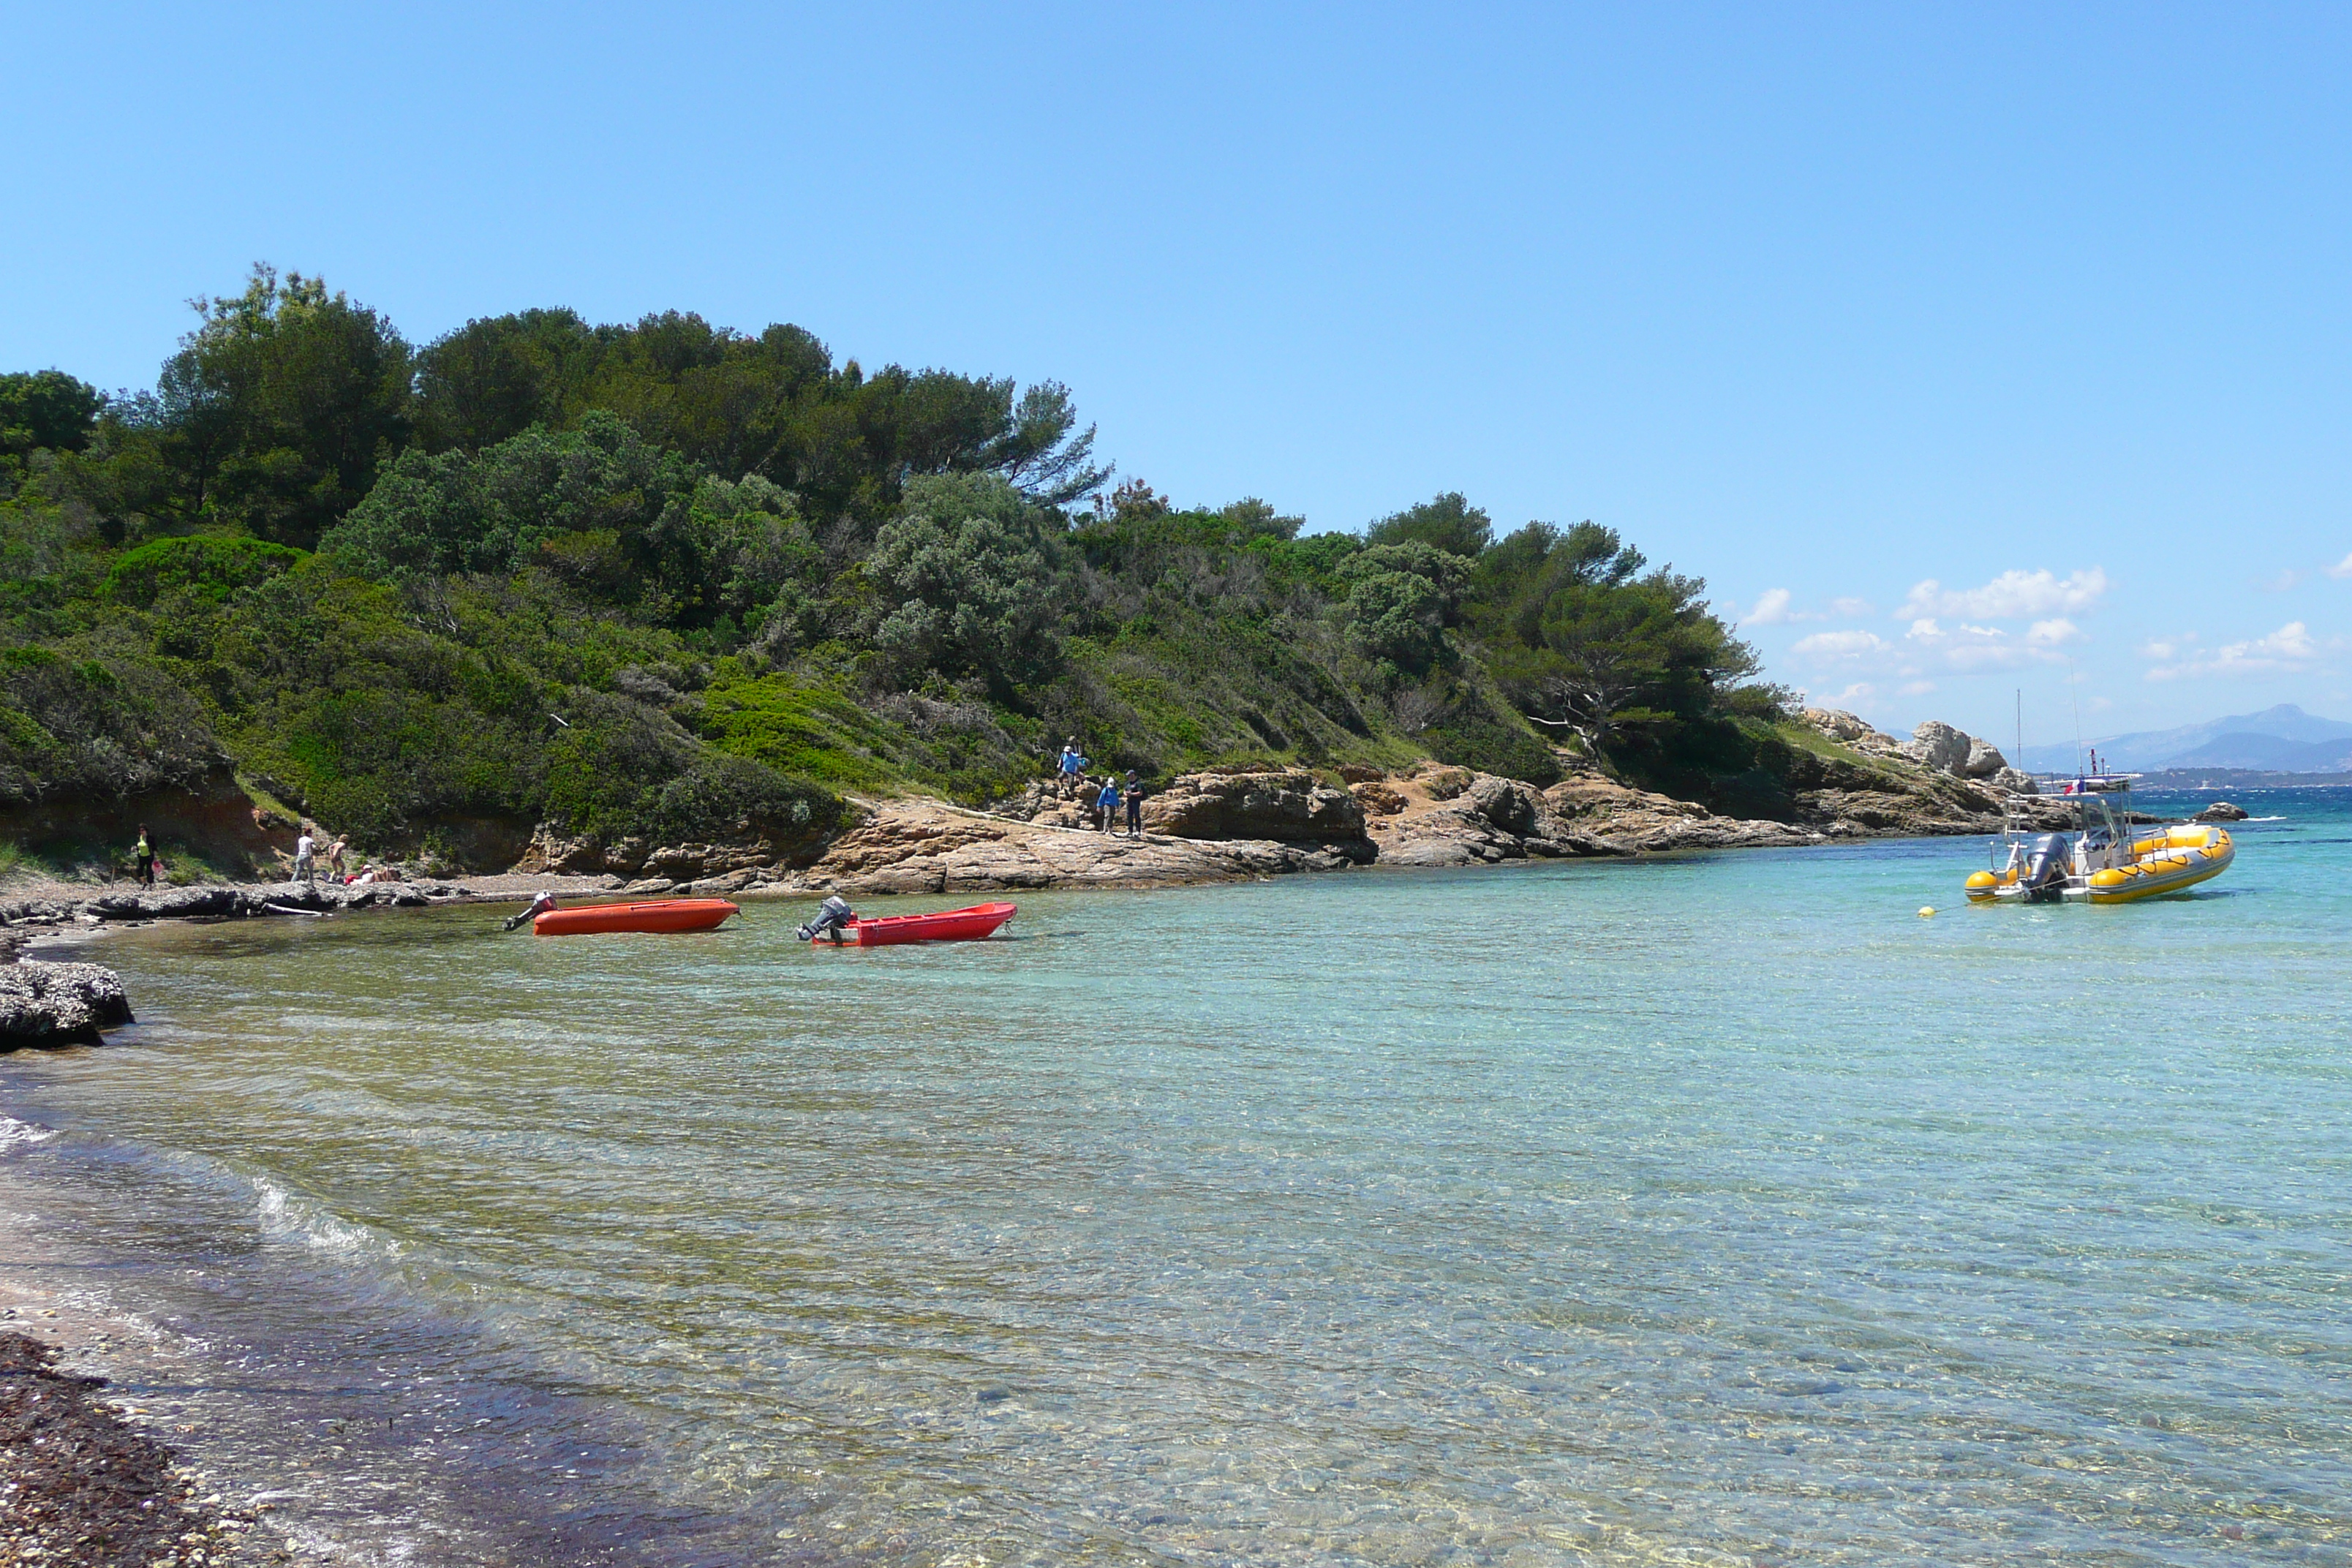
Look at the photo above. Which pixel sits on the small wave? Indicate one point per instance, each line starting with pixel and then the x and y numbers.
pixel 14 1131
pixel 287 1217
pixel 2266 820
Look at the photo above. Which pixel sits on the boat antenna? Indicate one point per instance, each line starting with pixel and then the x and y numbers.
pixel 2021 726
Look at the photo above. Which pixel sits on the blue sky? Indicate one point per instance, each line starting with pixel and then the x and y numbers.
pixel 1959 351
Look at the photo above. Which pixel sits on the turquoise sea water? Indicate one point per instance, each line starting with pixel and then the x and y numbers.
pixel 1707 1210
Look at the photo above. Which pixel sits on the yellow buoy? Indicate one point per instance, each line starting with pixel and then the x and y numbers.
pixel 1926 910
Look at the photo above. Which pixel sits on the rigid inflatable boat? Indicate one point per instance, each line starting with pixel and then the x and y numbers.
pixel 658 915
pixel 2102 858
pixel 946 925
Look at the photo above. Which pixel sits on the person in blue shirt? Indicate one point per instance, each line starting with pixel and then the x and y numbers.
pixel 1072 769
pixel 1106 804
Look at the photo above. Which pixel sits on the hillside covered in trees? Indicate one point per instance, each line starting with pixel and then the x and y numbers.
pixel 671 580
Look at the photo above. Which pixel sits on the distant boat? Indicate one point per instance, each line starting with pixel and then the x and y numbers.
pixel 2102 858
pixel 656 915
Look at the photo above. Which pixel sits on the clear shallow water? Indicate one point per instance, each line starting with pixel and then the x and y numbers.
pixel 1718 1210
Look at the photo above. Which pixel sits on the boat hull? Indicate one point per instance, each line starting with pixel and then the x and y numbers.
pixel 2164 869
pixel 973 924
pixel 656 915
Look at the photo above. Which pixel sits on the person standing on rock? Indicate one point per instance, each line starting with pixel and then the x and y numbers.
pixel 1106 803
pixel 1071 775
pixel 1134 795
pixel 146 854
pixel 335 852
pixel 302 848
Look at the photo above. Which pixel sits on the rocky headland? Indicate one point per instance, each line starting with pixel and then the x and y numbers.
pixel 1841 779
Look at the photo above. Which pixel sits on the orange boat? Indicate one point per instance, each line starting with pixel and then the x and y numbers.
pixel 946 925
pixel 659 915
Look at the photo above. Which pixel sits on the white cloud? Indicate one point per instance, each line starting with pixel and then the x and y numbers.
pixel 2290 648
pixel 1969 645
pixel 1916 687
pixel 2342 569
pixel 1842 648
pixel 2012 595
pixel 2055 633
pixel 1777 606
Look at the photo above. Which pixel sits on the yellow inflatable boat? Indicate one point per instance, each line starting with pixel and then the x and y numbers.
pixel 2102 858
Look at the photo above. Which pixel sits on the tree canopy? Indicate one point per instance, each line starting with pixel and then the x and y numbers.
pixel 664 576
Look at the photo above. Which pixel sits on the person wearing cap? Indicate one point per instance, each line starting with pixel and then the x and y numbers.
pixel 1071 775
pixel 1106 803
pixel 1134 796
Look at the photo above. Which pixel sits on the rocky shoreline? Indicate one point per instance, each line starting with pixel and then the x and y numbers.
pixel 81 1486
pixel 1218 825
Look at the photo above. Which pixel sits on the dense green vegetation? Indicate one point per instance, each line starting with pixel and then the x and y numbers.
pixel 672 581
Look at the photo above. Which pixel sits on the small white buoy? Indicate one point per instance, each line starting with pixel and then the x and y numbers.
pixel 1927 911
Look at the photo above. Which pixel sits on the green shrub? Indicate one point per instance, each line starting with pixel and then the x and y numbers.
pixel 212 566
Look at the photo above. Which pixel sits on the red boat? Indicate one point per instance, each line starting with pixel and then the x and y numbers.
pixel 946 925
pixel 659 915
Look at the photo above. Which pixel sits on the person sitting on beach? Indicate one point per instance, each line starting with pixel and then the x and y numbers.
pixel 1106 804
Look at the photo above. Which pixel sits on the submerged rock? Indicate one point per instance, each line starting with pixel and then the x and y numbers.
pixel 59 1003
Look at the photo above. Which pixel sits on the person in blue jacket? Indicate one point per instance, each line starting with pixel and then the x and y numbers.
pixel 1071 773
pixel 1106 804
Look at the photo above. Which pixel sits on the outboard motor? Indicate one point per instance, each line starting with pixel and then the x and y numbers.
pixel 2045 869
pixel 833 916
pixel 539 905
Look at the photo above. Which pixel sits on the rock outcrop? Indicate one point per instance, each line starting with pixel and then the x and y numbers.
pixel 1286 806
pixel 928 847
pixel 1939 746
pixel 2222 811
pixel 591 856
pixel 1439 816
pixel 1984 761
pixel 59 1003
pixel 223 901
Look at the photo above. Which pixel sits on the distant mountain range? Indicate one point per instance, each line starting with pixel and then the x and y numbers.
pixel 2283 739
